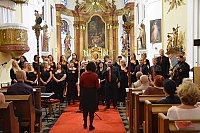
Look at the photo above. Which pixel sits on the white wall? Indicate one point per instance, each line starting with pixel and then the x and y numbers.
pixel 153 10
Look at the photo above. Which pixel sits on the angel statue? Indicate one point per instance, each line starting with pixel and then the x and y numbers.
pixel 174 4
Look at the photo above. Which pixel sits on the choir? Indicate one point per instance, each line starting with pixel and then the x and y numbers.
pixel 63 78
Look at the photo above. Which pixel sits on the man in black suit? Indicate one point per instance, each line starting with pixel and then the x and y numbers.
pixel 141 67
pixel 163 61
pixel 20 88
pixel 112 82
pixel 181 70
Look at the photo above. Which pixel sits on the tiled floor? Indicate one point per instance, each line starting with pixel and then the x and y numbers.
pixel 47 125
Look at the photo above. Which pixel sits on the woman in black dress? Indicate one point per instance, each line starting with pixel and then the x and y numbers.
pixel 46 76
pixel 146 61
pixel 31 76
pixel 101 91
pixel 63 63
pixel 123 82
pixel 13 70
pixel 134 63
pixel 75 60
pixel 51 62
pixel 59 76
pixel 89 83
pixel 22 59
pixel 72 80
pixel 35 63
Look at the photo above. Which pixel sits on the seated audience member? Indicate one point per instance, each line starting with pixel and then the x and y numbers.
pixel 187 80
pixel 169 90
pixel 189 94
pixel 144 83
pixel 137 83
pixel 157 89
pixel 20 88
pixel 2 98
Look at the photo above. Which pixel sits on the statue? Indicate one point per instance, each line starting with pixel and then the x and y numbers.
pixel 175 36
pixel 124 43
pixel 142 36
pixel 45 41
pixel 67 41
pixel 169 40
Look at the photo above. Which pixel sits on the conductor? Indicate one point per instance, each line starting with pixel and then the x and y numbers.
pixel 89 83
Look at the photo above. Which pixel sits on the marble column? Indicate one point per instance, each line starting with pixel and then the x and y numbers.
pixel 110 50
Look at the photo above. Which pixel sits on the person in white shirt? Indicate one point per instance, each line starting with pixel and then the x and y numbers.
pixel 144 80
pixel 137 83
pixel 189 94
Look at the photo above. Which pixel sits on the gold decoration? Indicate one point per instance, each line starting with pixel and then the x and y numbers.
pixel 174 4
pixel 20 1
pixel 13 40
pixel 176 41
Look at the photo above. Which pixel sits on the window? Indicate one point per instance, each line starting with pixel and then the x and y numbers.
pixel 43 12
pixel 51 11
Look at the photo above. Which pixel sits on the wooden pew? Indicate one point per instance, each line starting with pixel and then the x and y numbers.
pixel 129 92
pixel 8 122
pixel 24 110
pixel 138 109
pixel 168 126
pixel 37 94
pixel 129 105
pixel 151 115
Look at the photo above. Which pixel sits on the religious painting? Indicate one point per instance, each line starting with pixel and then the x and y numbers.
pixel 96 32
pixel 155 31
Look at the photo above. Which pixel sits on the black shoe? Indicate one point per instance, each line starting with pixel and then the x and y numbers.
pixel 91 128
pixel 106 107
pixel 84 126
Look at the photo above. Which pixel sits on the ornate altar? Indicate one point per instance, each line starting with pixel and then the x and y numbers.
pixel 95 24
pixel 95 50
pixel 13 39
pixel 96 28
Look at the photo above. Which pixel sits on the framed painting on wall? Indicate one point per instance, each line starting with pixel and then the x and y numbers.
pixel 155 31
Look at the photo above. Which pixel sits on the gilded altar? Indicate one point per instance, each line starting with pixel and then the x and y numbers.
pixel 96 29
pixel 95 24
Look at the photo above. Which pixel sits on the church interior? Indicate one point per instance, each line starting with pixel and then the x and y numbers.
pixel 134 35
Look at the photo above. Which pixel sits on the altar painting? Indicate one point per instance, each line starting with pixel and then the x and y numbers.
pixel 96 32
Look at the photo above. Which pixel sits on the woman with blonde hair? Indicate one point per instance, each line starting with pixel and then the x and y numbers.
pixel 13 70
pixel 31 75
pixel 189 94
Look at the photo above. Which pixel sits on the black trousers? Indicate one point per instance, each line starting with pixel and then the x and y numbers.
pixel 111 93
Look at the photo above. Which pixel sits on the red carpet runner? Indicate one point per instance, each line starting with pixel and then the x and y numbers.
pixel 72 122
